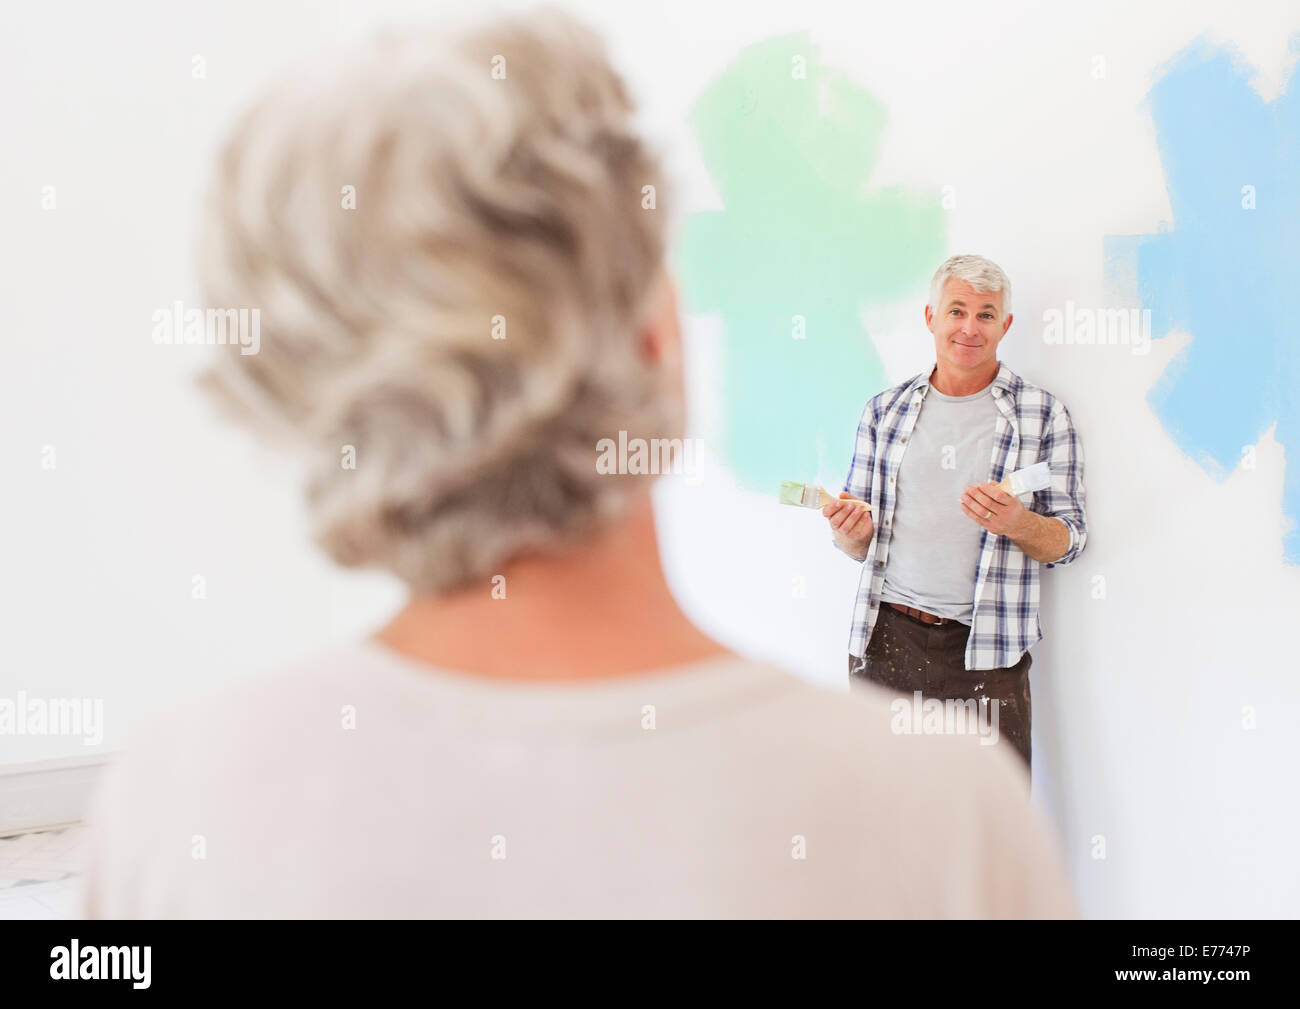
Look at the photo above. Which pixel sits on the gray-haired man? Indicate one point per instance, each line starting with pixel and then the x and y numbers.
pixel 955 559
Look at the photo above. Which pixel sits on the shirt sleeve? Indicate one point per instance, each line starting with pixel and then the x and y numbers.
pixel 1062 450
pixel 858 482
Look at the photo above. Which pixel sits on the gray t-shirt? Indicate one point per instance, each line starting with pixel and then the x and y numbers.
pixel 934 550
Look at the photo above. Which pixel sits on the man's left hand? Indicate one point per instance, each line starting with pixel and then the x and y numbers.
pixel 994 509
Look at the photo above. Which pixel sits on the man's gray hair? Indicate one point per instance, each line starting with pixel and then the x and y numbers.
pixel 982 274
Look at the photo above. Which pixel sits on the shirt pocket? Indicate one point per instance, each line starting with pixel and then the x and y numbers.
pixel 1028 451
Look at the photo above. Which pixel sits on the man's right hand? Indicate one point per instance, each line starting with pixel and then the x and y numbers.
pixel 851 525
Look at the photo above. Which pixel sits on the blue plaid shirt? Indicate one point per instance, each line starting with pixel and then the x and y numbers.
pixel 1032 426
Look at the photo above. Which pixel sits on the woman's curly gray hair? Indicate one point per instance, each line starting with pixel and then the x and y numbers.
pixel 497 186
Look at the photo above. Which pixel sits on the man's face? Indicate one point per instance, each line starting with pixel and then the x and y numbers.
pixel 967 326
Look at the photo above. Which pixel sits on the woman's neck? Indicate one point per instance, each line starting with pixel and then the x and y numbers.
pixel 601 610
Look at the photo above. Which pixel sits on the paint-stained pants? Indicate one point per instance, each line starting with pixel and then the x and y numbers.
pixel 905 655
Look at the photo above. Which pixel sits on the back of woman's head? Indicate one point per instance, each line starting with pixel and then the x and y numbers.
pixel 446 243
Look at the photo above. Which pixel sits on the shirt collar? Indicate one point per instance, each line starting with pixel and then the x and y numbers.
pixel 1004 382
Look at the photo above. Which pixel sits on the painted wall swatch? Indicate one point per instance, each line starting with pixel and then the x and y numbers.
pixel 1225 271
pixel 801 248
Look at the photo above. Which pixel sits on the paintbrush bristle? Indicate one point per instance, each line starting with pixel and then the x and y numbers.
pixel 793 493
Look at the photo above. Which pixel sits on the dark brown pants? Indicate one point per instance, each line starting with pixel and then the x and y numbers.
pixel 905 655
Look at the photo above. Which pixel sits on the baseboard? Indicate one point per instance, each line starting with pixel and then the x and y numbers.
pixel 42 794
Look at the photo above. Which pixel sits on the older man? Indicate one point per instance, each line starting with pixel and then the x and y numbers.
pixel 954 559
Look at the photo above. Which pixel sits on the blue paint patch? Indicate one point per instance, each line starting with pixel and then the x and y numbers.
pixel 1225 274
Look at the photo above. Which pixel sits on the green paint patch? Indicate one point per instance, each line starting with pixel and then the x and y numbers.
pixel 802 247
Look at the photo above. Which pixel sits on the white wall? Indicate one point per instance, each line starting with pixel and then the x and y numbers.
pixel 1138 696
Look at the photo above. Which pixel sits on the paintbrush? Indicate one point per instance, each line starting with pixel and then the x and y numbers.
pixel 1031 478
pixel 805 495
pixel 808 495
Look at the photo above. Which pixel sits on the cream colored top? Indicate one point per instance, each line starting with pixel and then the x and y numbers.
pixel 364 784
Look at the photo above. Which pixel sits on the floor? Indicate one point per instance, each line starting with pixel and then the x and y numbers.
pixel 40 874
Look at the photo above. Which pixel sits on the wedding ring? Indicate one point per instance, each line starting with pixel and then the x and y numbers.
pixel 988 514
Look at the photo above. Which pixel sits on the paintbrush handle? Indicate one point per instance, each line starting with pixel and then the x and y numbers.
pixel 824 498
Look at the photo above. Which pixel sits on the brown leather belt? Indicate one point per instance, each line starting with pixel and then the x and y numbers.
pixel 921 615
